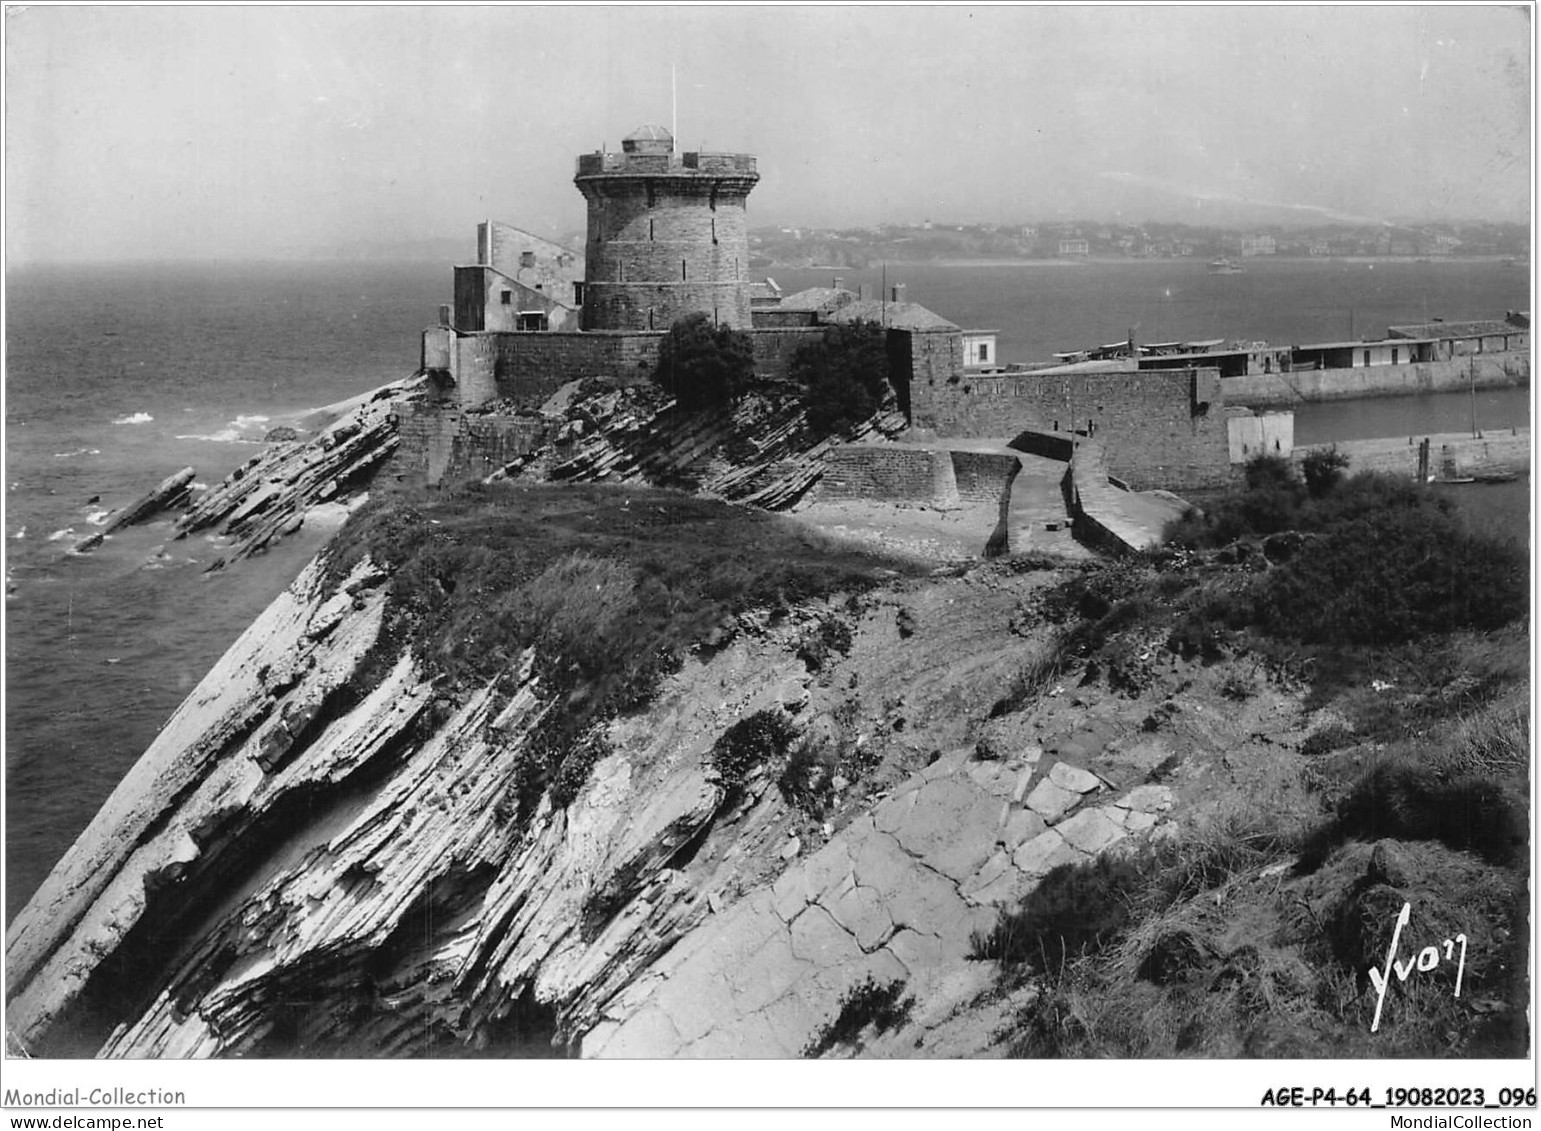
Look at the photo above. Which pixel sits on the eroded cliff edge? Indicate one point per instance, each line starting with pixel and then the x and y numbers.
pixel 325 848
pixel 420 809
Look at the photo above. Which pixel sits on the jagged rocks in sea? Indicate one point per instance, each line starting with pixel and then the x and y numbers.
pixel 170 492
pixel 268 496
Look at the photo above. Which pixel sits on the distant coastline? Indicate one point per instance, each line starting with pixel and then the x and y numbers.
pixel 1088 260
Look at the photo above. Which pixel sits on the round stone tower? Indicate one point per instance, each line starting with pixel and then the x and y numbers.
pixel 667 235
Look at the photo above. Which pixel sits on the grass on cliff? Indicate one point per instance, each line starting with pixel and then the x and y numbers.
pixel 1372 560
pixel 1250 933
pixel 614 586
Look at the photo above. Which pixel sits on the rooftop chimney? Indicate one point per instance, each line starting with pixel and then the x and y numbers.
pixel 865 292
pixel 839 282
pixel 896 293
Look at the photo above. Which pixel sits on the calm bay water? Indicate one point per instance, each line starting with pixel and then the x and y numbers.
pixel 1040 310
pixel 117 376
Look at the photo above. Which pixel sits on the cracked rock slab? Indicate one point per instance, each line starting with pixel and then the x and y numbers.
pixel 818 939
pixel 1073 778
pixel 859 911
pixel 1147 799
pixel 993 869
pixel 1008 887
pixel 1033 856
pixel 1090 831
pixel 1050 801
pixel 952 827
pixel 1021 826
pixel 1139 822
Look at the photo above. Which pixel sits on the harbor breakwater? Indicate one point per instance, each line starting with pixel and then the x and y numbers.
pixel 1506 370
pixel 1452 456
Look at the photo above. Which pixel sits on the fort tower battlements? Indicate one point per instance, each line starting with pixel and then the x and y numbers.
pixel 667 234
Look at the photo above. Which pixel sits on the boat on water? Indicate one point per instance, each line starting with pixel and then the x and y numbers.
pixel 1224 266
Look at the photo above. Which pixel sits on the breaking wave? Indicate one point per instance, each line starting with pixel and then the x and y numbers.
pixel 241 430
pixel 136 418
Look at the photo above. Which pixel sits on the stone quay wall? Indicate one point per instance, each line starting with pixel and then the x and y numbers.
pixel 1451 455
pixel 1504 370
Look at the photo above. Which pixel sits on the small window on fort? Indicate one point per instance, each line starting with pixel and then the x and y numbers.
pixel 682 270
pixel 714 231
pixel 1367 357
pixel 649 229
pixel 532 320
pixel 507 298
pixel 527 259
pixel 984 351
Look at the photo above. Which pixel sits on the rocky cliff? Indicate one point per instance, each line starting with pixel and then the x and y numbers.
pixel 323 852
pixel 421 808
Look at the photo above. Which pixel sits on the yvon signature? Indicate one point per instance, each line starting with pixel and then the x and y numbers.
pixel 1425 960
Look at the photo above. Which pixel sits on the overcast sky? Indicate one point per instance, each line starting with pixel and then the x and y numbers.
pixel 176 132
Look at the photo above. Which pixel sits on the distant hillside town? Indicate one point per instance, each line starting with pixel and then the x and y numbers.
pixel 1079 240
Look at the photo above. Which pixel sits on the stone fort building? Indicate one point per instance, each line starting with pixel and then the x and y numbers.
pixel 667 236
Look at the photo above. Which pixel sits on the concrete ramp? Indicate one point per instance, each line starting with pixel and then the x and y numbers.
pixel 1109 518
pixel 1023 491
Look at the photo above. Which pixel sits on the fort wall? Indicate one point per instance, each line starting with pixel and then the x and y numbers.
pixel 526 368
pixel 441 444
pixel 983 477
pixel 1159 428
pixel 888 473
pixel 774 347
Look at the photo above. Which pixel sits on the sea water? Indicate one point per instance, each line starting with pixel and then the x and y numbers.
pixel 117 376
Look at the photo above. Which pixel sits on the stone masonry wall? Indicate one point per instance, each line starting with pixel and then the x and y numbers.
pixel 440 444
pixel 933 476
pixel 1160 428
pixel 884 472
pixel 984 477
pixel 926 359
pixel 775 347
pixel 661 247
pixel 528 368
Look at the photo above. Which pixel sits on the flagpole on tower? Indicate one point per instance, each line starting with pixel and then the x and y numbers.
pixel 674 103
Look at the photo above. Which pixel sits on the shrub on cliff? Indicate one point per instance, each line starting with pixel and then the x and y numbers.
pixel 700 364
pixel 844 375
pixel 1323 469
pixel 1391 562
pixel 751 743
pixel 1394 575
pixel 1076 909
